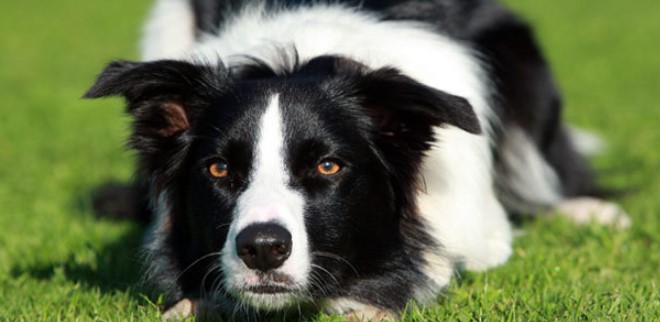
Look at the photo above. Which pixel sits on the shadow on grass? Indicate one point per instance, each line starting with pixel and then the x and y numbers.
pixel 112 267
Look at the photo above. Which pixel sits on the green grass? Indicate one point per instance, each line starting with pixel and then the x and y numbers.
pixel 58 263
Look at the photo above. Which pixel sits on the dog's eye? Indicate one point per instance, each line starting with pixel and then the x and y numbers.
pixel 328 167
pixel 219 169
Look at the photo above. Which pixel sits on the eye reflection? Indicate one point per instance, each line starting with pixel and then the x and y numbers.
pixel 218 169
pixel 328 167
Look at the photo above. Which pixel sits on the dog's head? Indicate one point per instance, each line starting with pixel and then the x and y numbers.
pixel 280 187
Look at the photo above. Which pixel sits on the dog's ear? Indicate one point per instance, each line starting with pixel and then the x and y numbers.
pixel 403 114
pixel 163 96
pixel 405 111
pixel 402 108
pixel 165 99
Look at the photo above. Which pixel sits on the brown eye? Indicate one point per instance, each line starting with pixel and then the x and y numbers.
pixel 328 167
pixel 219 169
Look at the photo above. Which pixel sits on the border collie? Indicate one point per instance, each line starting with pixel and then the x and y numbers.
pixel 343 156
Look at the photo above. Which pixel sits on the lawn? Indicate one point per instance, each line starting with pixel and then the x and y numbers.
pixel 59 263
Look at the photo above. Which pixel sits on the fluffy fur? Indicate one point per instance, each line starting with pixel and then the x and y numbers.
pixel 441 117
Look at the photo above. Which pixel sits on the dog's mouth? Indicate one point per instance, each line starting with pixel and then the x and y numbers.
pixel 272 283
pixel 268 289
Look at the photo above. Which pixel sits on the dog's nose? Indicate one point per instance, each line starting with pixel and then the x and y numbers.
pixel 263 246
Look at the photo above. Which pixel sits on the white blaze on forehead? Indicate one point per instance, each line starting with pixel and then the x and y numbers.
pixel 269 198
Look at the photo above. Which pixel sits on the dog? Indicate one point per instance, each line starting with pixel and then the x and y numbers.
pixel 342 156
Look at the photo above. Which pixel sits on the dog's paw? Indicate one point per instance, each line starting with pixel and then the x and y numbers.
pixel 586 209
pixel 370 314
pixel 496 252
pixel 356 311
pixel 182 310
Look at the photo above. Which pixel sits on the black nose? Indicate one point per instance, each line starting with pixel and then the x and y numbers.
pixel 263 246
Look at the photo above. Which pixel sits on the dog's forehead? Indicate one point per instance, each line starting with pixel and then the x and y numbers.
pixel 306 110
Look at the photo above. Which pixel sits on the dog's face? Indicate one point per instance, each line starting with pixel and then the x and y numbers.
pixel 281 188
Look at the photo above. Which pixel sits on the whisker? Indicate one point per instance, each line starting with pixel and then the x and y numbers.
pixel 213 268
pixel 327 272
pixel 197 261
pixel 337 258
pixel 218 285
pixel 237 308
pixel 322 289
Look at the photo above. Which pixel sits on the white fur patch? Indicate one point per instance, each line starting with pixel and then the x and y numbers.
pixel 416 49
pixel 585 209
pixel 585 142
pixel 170 30
pixel 269 199
pixel 460 205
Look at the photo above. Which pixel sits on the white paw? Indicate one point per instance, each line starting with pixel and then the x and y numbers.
pixel 182 310
pixel 496 252
pixel 371 314
pixel 586 209
pixel 355 311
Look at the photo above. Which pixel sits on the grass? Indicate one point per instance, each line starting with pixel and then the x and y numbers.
pixel 58 263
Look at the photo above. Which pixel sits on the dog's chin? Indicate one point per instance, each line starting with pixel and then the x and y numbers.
pixel 272 292
pixel 269 298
